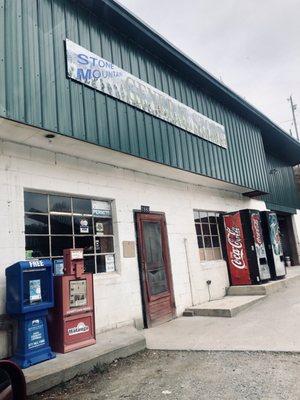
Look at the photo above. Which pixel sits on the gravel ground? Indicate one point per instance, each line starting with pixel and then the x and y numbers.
pixel 182 375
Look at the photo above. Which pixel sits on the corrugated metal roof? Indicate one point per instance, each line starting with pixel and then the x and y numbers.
pixel 35 90
pixel 276 139
pixel 40 94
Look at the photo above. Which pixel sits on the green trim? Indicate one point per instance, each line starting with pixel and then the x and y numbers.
pixel 277 207
pixel 282 188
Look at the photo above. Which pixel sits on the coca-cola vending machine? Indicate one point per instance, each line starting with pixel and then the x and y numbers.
pixel 273 244
pixel 245 249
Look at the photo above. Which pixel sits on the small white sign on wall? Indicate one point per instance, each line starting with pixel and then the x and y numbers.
pixel 110 263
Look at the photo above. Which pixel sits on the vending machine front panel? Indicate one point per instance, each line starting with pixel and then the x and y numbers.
pixel 261 254
pixel 236 251
pixel 273 244
pixel 276 244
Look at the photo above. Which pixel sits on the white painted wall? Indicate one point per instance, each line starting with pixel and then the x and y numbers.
pixel 117 295
pixel 296 229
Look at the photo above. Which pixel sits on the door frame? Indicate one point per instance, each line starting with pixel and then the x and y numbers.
pixel 290 235
pixel 143 285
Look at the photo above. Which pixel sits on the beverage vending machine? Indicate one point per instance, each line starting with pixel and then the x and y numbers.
pixel 273 244
pixel 244 247
pixel 29 295
pixel 72 320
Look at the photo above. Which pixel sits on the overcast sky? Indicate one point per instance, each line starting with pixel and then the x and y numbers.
pixel 253 45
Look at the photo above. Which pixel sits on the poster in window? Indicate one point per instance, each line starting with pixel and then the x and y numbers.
pixel 58 267
pixel 84 226
pixel 101 208
pixel 99 228
pixel 35 293
pixel 109 263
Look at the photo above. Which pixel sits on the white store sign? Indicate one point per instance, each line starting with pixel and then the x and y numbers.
pixel 100 74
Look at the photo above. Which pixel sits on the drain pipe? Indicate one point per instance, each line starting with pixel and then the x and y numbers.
pixel 189 269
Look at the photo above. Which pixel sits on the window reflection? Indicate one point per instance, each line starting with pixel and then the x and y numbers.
pixel 57 222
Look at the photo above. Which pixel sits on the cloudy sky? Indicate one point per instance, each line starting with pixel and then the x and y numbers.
pixel 252 45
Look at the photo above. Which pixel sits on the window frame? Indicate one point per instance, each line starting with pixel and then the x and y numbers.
pixel 202 235
pixel 74 235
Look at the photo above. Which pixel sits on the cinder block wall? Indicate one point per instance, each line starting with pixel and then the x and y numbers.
pixel 296 229
pixel 117 295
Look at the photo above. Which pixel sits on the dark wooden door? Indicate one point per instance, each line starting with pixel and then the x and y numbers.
pixel 155 268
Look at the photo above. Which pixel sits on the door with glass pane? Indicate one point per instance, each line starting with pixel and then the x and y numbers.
pixel 155 269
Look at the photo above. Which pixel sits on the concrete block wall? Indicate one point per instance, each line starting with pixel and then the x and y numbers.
pixel 296 229
pixel 117 295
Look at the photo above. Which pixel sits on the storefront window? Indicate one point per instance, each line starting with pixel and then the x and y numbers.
pixel 54 223
pixel 208 236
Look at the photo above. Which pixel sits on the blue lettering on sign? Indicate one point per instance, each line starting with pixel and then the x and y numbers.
pixel 84 75
pixel 82 59
pixel 96 74
pixel 93 61
pixel 87 74
pixel 100 74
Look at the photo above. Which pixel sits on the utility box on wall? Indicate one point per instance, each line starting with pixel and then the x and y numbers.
pixel 72 321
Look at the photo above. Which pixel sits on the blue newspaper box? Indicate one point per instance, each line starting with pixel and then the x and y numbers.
pixel 29 295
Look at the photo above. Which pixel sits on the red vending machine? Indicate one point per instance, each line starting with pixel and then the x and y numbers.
pixel 245 249
pixel 72 320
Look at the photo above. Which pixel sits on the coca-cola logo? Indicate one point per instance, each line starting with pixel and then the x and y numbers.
pixel 236 253
pixel 256 229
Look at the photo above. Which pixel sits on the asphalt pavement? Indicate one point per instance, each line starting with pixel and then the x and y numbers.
pixel 159 375
pixel 254 356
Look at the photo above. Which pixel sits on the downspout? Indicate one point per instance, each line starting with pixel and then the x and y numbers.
pixel 189 270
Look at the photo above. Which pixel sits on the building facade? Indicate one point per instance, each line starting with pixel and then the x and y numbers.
pixel 114 141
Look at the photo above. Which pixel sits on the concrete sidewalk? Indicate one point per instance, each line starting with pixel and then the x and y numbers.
pixel 271 325
pixel 118 343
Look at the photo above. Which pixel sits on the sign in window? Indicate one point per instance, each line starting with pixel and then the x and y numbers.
pixel 57 222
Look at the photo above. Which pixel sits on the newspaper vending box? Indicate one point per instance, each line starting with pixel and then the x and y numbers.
pixel 72 321
pixel 29 295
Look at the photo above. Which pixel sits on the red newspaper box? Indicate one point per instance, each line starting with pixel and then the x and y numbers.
pixel 72 320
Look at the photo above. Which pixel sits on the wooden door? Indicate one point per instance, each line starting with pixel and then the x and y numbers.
pixel 155 268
